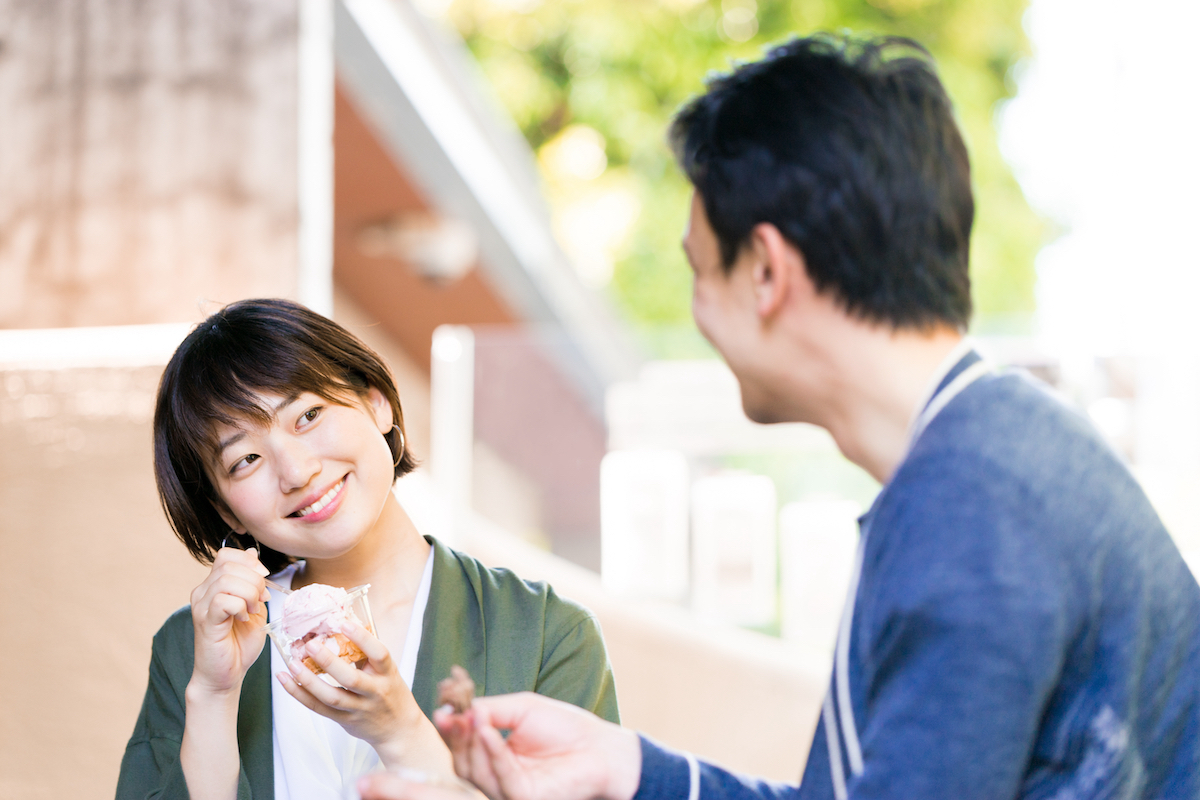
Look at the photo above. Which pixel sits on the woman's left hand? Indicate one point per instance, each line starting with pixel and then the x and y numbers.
pixel 375 705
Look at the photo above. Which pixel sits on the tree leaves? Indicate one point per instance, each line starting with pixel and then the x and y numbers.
pixel 622 67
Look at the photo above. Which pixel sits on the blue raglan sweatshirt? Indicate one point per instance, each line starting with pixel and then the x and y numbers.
pixel 1023 627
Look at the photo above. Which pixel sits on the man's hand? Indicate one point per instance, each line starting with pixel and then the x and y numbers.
pixel 554 750
pixel 412 785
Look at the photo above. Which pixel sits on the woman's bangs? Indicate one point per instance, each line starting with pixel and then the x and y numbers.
pixel 230 396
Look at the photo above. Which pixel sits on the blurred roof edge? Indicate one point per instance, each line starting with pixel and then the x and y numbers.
pixel 415 86
pixel 105 346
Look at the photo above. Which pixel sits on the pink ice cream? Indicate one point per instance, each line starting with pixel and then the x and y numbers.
pixel 319 612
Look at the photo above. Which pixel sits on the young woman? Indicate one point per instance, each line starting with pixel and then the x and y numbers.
pixel 277 429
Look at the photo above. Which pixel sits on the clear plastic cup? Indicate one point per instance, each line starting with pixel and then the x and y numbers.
pixel 356 601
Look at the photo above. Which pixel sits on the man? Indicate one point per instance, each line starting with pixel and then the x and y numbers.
pixel 1021 624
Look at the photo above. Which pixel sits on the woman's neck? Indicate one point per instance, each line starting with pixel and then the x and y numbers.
pixel 391 557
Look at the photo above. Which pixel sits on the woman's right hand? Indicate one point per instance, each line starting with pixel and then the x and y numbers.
pixel 229 611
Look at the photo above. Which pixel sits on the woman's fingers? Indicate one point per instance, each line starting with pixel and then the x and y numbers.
pixel 228 609
pixel 225 607
pixel 291 683
pixel 234 572
pixel 235 592
pixel 247 558
pixel 375 651
pixel 342 671
pixel 332 697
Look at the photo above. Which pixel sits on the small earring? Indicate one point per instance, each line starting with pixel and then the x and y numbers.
pixel 400 455
pixel 236 543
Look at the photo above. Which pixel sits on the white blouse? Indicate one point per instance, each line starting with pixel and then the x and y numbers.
pixel 315 759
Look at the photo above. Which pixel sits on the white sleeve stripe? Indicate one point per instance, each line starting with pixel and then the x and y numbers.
pixel 693 777
pixel 841 679
pixel 835 751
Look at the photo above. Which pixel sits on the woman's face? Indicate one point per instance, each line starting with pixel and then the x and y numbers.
pixel 313 481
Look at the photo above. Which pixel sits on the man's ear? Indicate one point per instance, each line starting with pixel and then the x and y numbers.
pixel 774 268
pixel 379 406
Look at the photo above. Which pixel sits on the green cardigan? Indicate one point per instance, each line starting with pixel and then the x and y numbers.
pixel 510 634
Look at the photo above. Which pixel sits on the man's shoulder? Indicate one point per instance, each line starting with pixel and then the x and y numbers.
pixel 1009 430
pixel 1008 477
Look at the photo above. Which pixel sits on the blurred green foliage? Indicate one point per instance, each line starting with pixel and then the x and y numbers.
pixel 622 67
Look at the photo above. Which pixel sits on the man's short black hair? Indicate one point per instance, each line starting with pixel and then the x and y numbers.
pixel 849 147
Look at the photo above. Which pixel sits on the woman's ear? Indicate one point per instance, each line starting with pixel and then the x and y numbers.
pixel 227 516
pixel 381 408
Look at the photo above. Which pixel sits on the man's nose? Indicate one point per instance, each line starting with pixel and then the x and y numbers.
pixel 298 464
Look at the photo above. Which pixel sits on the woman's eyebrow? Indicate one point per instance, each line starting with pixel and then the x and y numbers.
pixel 284 403
pixel 237 437
pixel 232 440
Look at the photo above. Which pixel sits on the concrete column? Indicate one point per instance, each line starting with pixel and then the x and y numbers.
pixel 149 158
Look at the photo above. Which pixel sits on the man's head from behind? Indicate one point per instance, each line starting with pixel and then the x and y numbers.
pixel 849 147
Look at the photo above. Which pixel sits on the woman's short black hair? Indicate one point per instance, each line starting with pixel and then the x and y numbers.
pixel 849 147
pixel 246 348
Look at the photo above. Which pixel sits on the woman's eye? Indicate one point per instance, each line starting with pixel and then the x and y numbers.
pixel 311 414
pixel 243 462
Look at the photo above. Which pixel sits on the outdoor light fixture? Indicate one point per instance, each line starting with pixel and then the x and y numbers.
pixel 440 249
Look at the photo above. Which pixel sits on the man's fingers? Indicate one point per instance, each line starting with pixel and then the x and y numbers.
pixel 385 786
pixel 505 711
pixel 498 761
pixel 454 728
pixel 471 761
pixel 389 786
pixel 457 732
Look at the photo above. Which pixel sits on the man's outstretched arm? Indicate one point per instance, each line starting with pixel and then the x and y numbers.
pixel 555 751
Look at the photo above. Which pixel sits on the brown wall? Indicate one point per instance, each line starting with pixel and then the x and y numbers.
pixel 148 158
pixel 90 570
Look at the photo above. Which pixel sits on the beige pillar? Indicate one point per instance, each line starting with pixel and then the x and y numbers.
pixel 149 158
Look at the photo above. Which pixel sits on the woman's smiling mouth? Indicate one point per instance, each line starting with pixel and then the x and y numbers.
pixel 322 502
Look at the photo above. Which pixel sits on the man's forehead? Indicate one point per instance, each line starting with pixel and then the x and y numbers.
pixel 699 239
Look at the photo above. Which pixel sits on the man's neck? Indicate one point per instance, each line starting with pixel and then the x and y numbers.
pixel 884 381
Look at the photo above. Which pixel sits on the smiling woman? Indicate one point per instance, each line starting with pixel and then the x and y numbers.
pixel 276 427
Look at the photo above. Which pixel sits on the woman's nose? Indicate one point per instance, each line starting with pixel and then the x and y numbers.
pixel 298 464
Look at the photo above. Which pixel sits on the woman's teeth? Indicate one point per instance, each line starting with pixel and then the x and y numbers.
pixel 324 501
